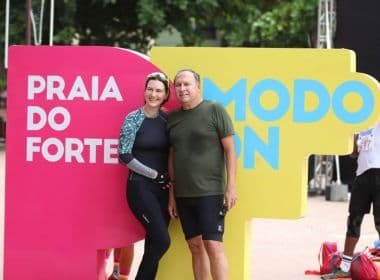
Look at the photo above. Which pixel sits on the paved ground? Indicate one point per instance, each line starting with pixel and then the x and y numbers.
pixel 282 249
pixel 285 249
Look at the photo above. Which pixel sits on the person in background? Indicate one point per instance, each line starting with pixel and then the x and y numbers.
pixel 365 192
pixel 202 150
pixel 122 262
pixel 143 148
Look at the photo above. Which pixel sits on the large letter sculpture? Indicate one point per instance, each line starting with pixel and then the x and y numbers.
pixel 286 104
pixel 65 192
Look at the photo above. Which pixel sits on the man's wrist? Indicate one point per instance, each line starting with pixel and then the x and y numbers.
pixel 230 186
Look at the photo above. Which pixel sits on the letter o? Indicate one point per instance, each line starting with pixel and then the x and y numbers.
pixel 353 117
pixel 66 118
pixel 45 149
pixel 259 89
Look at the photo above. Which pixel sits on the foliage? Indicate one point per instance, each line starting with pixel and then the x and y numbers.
pixel 266 23
pixel 288 25
pixel 136 24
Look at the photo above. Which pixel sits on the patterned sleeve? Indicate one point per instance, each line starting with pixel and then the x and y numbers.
pixel 128 131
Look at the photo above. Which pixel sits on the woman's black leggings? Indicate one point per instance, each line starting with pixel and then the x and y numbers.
pixel 149 204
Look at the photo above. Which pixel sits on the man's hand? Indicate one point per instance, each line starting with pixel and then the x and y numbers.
pixel 230 196
pixel 172 205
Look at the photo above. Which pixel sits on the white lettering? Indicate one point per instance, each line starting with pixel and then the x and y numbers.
pixel 95 88
pixel 74 148
pixel 36 118
pixel 78 90
pixel 48 145
pixel 38 122
pixel 111 90
pixel 36 84
pixel 92 143
pixel 30 148
pixel 55 86
pixel 110 150
pixel 65 121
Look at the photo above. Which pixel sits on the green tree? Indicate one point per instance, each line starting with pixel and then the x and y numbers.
pixel 136 24
pixel 265 23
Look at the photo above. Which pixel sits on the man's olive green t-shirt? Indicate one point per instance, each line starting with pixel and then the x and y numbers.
pixel 199 162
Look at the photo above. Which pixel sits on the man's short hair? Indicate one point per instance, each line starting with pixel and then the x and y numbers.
pixel 195 74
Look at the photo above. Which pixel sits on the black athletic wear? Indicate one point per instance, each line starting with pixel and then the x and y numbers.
pixel 365 191
pixel 202 216
pixel 149 203
pixel 143 147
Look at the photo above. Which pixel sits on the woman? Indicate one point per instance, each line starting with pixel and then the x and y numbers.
pixel 143 147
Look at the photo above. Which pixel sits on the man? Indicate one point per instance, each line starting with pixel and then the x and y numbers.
pixel 365 191
pixel 202 150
